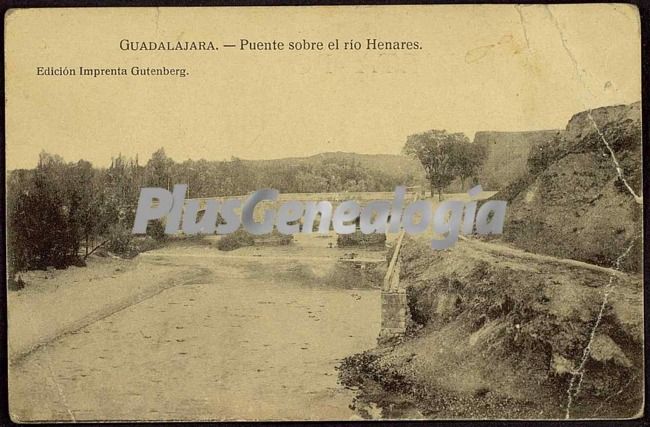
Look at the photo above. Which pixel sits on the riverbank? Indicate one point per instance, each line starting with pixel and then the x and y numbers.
pixel 497 336
pixel 58 302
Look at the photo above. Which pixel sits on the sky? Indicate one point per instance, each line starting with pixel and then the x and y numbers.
pixel 494 67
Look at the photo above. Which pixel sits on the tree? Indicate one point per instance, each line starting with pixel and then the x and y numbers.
pixel 466 160
pixel 434 150
pixel 82 191
pixel 39 224
pixel 159 170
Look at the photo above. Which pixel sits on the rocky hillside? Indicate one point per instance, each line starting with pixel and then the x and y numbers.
pixel 507 155
pixel 498 332
pixel 494 336
pixel 571 202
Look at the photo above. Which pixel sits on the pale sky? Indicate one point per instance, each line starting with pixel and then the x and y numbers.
pixel 495 67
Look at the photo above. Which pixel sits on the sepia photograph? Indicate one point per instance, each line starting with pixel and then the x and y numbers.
pixel 340 213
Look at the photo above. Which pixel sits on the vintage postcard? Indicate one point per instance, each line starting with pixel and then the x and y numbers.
pixel 324 213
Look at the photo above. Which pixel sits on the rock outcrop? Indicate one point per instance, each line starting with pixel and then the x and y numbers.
pixel 571 202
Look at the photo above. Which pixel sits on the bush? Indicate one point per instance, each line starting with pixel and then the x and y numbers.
pixel 236 240
pixel 15 283
pixel 543 154
pixel 156 230
pixel 146 243
pixel 120 241
pixel 274 238
pixel 360 239
pixel 242 238
pixel 40 232
pixel 514 188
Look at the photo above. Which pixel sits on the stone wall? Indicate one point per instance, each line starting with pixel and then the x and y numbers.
pixel 507 155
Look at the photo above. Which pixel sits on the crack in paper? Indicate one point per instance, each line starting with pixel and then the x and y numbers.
pixel 523 25
pixel 617 166
pixel 59 389
pixel 578 374
pixel 574 389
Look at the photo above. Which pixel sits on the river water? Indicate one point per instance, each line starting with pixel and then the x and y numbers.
pixel 250 341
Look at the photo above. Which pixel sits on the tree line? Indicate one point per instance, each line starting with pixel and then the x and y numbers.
pixel 60 212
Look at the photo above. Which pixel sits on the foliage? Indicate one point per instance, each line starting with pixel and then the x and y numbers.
pixel 360 239
pixel 274 238
pixel 120 240
pixel 466 159
pixel 541 155
pixel 50 210
pixel 236 240
pixel 444 157
pixel 242 238
pixel 156 230
pixel 60 211
pixel 160 170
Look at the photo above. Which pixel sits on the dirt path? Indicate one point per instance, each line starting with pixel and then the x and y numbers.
pixel 502 249
pixel 242 342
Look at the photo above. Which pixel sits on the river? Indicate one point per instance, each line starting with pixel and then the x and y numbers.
pixel 253 340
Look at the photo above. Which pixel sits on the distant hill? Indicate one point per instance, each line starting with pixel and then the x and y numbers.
pixel 395 165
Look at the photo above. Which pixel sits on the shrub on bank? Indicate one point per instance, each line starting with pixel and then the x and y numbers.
pixel 242 238
pixel 360 239
pixel 120 241
pixel 156 230
pixel 15 283
pixel 274 238
pixel 236 240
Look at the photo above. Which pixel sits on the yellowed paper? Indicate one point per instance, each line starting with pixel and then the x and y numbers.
pixel 539 105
